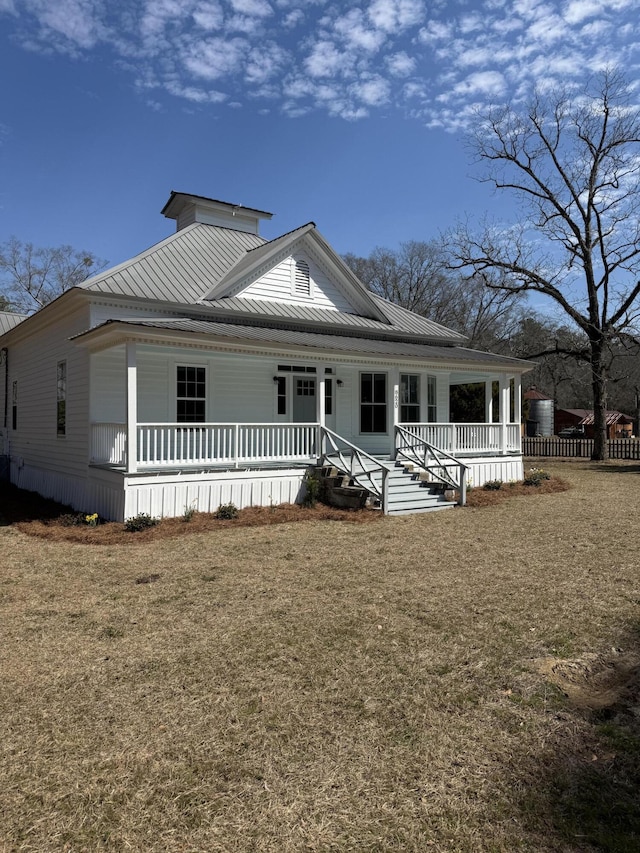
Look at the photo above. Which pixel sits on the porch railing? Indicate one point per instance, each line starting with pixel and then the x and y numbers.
pixel 469 439
pixel 439 465
pixel 365 470
pixel 174 445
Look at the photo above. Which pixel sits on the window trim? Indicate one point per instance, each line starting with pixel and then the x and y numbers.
pixel 203 399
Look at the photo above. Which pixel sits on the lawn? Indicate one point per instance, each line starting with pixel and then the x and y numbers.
pixel 457 681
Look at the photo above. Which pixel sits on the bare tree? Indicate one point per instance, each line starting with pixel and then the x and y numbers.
pixel 573 160
pixel 31 277
pixel 416 277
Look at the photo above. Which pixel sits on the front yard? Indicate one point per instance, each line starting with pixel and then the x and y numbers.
pixel 456 681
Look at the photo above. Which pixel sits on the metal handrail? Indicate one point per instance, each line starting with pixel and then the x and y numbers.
pixel 362 475
pixel 418 451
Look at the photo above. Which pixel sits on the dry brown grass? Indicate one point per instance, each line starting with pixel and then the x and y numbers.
pixel 396 686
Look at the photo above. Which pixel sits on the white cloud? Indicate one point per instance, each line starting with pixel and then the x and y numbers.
pixel 400 64
pixel 208 16
pixel 431 60
pixel 373 92
pixel 355 32
pixel 396 15
pixel 216 57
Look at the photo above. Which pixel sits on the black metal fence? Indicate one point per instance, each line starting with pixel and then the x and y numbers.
pixel 619 448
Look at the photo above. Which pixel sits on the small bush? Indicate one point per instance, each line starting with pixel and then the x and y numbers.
pixel 312 482
pixel 189 512
pixel 535 476
pixel 71 519
pixel 227 511
pixel 492 485
pixel 139 522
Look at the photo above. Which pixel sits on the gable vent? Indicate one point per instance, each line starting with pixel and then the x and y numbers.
pixel 302 280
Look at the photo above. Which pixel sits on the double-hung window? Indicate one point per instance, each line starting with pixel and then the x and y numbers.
pixel 191 394
pixel 409 398
pixel 61 398
pixel 373 402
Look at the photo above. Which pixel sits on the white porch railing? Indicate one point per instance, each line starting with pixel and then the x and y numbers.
pixel 469 439
pixel 175 445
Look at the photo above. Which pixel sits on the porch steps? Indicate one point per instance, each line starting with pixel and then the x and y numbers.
pixel 409 490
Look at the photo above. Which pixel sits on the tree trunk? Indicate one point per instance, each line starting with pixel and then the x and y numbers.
pixel 599 387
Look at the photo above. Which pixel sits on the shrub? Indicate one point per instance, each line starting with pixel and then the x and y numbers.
pixel 535 476
pixel 71 519
pixel 227 511
pixel 142 521
pixel 492 485
pixel 312 482
pixel 189 512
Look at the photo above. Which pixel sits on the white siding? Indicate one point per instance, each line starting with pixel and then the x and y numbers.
pixel 276 286
pixel 33 364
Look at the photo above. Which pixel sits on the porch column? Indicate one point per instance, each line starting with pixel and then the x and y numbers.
pixel 488 401
pixel 132 409
pixel 394 381
pixel 320 414
pixel 517 407
pixel 505 411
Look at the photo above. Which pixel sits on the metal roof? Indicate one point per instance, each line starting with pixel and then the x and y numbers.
pixel 352 346
pixel 9 320
pixel 402 323
pixel 181 268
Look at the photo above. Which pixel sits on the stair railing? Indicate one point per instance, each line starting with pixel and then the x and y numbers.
pixel 357 464
pixel 437 462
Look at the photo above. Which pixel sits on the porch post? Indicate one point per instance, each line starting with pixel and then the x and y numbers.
pixel 132 409
pixel 394 377
pixel 320 413
pixel 488 401
pixel 517 407
pixel 504 411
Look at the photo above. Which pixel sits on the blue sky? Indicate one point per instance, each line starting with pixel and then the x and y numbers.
pixel 349 114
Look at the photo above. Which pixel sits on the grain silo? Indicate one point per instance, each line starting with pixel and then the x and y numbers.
pixel 540 418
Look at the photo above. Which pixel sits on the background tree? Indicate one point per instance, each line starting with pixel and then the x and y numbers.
pixel 573 161
pixel 416 276
pixel 31 277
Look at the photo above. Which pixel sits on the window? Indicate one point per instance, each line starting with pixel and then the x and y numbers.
pixel 409 398
pixel 281 394
pixel 61 398
pixel 373 402
pixel 14 405
pixel 328 395
pixel 306 387
pixel 432 407
pixel 301 279
pixel 191 394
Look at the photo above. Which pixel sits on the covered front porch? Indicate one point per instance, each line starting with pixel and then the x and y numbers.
pixel 153 424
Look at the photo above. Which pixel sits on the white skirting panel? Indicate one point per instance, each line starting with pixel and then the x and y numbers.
pixel 167 496
pixel 505 468
pixel 51 484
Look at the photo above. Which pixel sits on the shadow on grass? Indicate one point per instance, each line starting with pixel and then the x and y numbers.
pixel 589 791
pixel 19 505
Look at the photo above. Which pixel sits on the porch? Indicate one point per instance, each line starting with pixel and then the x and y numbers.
pixel 180 446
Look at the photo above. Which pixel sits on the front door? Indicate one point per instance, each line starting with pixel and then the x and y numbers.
pixel 303 409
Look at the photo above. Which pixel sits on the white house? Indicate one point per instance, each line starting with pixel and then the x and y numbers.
pixel 217 366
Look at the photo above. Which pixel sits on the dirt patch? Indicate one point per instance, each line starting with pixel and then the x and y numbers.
pixel 595 682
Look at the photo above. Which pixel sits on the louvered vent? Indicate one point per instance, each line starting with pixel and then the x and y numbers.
pixel 302 281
